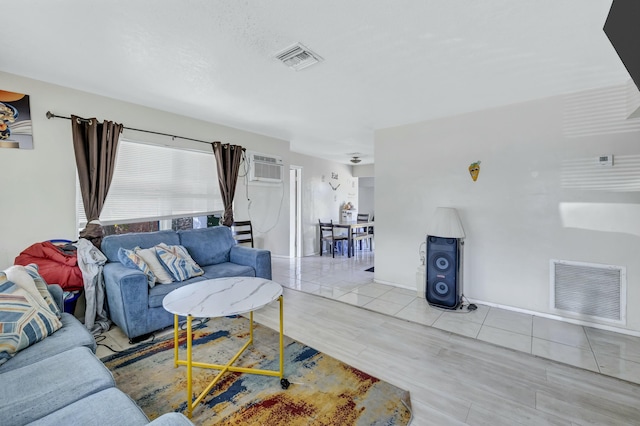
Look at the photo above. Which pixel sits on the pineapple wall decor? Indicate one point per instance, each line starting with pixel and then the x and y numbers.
pixel 474 170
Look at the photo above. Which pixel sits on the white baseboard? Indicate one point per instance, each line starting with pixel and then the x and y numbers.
pixel 393 284
pixel 557 317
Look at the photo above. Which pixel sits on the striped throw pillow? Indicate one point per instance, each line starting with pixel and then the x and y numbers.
pixel 151 259
pixel 131 260
pixel 178 262
pixel 23 321
pixel 18 275
pixel 41 285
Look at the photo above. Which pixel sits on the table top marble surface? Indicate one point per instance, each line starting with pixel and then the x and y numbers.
pixel 222 296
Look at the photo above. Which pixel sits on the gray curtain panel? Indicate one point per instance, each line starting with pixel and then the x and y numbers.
pixel 95 145
pixel 228 158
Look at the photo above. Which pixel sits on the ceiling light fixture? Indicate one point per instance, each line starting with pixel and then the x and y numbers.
pixel 355 160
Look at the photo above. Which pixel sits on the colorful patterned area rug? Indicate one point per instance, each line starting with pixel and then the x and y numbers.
pixel 323 390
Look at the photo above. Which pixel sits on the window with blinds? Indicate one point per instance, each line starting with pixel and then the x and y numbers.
pixel 153 182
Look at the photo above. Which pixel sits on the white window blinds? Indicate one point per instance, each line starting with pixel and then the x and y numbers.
pixel 152 182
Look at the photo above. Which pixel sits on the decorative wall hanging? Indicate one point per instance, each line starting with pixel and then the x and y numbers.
pixel 15 121
pixel 474 170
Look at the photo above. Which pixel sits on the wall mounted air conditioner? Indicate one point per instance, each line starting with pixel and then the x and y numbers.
pixel 265 167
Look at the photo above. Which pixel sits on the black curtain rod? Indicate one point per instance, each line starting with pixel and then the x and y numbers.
pixel 51 115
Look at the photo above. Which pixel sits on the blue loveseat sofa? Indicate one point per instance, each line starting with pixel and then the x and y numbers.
pixel 136 308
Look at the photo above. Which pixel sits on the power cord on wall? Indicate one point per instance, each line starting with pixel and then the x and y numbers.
pixel 277 217
pixel 245 163
pixel 249 202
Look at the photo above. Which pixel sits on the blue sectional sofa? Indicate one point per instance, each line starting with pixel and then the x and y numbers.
pixel 136 308
pixel 59 381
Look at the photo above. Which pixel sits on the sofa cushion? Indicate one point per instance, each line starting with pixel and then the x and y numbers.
pixel 157 294
pixel 107 407
pixel 150 257
pixel 111 243
pixel 72 334
pixel 36 390
pixel 177 261
pixel 208 246
pixel 228 269
pixel 57 294
pixel 24 320
pixel 131 260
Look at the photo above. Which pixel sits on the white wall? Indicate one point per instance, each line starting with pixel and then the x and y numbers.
pixel 363 170
pixel 38 189
pixel 267 206
pixel 366 195
pixel 319 200
pixel 538 159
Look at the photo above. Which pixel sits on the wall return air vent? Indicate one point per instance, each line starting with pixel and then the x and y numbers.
pixel 588 291
pixel 298 57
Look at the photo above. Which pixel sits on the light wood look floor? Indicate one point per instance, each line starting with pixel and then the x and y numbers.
pixel 346 280
pixel 453 378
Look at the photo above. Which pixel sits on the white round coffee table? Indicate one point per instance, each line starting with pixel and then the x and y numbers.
pixel 221 297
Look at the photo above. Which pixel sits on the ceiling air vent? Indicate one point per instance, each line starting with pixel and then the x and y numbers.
pixel 298 57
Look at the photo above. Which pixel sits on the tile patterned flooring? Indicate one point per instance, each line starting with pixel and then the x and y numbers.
pixel 345 279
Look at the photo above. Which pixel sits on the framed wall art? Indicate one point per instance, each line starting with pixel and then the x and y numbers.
pixel 15 121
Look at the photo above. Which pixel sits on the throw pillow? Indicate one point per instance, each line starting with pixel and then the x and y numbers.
pixel 42 286
pixel 178 262
pixel 23 321
pixel 150 258
pixel 18 275
pixel 131 260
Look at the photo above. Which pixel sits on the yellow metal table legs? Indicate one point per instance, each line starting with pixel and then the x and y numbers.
pixel 191 404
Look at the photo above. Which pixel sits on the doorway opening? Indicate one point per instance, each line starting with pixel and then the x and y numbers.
pixel 295 212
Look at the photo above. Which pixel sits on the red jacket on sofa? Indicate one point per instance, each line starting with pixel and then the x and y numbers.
pixel 55 265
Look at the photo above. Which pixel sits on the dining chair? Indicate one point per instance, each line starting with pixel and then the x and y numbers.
pixel 361 234
pixel 363 217
pixel 242 232
pixel 328 234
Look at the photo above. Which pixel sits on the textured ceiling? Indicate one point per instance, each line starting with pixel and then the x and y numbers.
pixel 385 63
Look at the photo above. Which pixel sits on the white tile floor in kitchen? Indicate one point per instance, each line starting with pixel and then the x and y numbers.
pixel 346 279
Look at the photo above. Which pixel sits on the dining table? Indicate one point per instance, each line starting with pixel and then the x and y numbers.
pixel 351 226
